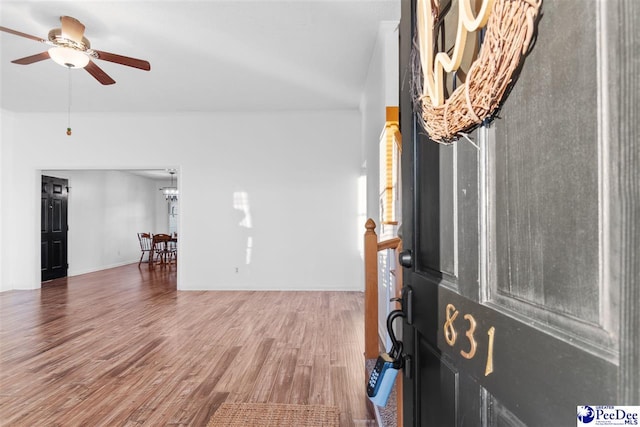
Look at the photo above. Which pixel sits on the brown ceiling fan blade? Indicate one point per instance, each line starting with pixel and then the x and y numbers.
pixel 123 60
pixel 99 74
pixel 18 33
pixel 31 59
pixel 72 28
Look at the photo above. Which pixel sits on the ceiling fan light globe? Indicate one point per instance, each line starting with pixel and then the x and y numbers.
pixel 68 58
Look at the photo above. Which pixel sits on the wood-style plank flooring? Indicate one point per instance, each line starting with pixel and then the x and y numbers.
pixel 122 347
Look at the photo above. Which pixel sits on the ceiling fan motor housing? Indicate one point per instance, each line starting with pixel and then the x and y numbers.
pixel 57 39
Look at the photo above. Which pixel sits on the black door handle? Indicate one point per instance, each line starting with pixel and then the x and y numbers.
pixel 406 258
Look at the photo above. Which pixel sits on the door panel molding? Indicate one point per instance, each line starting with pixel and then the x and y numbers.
pixel 458 189
pixel 521 367
pixel 496 414
pixel 574 248
pixel 622 20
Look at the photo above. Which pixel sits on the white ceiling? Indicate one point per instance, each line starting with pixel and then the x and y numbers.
pixel 155 174
pixel 207 55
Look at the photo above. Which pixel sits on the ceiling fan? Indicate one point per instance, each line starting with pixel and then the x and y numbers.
pixel 71 49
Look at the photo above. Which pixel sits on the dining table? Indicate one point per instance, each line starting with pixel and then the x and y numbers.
pixel 165 247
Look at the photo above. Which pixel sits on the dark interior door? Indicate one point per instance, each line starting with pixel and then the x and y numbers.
pixel 518 271
pixel 53 230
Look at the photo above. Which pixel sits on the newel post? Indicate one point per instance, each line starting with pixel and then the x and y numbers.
pixel 370 291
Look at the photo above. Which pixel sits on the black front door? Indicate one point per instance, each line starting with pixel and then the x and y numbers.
pixel 53 230
pixel 522 288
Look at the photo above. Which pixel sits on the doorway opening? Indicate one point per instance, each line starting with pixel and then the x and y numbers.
pixel 106 209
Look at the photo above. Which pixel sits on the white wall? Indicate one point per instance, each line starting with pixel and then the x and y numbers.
pixel 2 137
pixel 381 90
pixel 299 170
pixel 106 210
pixel 6 169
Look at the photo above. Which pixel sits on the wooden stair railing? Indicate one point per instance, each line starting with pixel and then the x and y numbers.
pixel 371 249
pixel 371 339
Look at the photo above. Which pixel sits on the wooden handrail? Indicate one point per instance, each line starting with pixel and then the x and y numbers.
pixel 392 243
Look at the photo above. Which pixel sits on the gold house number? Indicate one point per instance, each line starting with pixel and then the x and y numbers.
pixel 451 335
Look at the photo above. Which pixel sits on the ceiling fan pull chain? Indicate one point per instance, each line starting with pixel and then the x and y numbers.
pixel 69 107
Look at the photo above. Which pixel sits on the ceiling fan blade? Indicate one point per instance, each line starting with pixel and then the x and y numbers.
pixel 99 74
pixel 123 60
pixel 72 28
pixel 18 33
pixel 31 59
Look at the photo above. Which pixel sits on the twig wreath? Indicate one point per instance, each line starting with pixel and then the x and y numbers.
pixel 508 28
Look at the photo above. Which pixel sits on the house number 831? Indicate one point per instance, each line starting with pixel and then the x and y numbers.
pixel 451 336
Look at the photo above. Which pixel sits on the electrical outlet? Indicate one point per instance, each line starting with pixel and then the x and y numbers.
pixel 236 269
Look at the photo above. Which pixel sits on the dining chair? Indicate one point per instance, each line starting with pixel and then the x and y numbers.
pixel 145 247
pixel 173 246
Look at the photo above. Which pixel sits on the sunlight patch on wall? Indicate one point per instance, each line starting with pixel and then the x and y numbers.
pixel 241 203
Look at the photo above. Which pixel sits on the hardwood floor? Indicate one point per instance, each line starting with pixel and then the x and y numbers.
pixel 123 347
